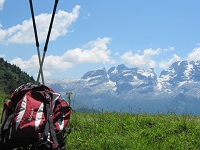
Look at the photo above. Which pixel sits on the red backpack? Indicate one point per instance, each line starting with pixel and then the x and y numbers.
pixel 35 118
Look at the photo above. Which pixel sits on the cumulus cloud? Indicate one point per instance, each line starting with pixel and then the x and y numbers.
pixel 167 64
pixel 28 65
pixel 23 33
pixel 1 4
pixel 51 64
pixel 194 55
pixel 143 60
pixel 95 51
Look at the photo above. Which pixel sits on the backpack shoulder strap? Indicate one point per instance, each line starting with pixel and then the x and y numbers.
pixel 49 127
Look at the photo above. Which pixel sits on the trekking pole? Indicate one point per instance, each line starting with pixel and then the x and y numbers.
pixel 36 37
pixel 47 39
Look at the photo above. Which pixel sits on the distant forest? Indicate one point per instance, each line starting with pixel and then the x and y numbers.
pixel 11 77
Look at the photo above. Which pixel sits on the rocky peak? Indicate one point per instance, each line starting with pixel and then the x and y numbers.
pixel 181 72
pixel 98 72
pixel 96 77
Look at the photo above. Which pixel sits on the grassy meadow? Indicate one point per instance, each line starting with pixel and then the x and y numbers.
pixel 120 131
pixel 117 131
pixel 3 98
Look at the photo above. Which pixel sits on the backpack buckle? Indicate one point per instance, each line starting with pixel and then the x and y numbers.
pixel 47 97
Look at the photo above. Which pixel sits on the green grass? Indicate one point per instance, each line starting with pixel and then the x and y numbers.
pixel 3 98
pixel 117 131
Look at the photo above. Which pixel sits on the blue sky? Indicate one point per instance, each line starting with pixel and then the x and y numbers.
pixel 90 34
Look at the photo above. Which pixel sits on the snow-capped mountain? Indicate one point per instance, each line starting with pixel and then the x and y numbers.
pixel 132 89
pixel 181 72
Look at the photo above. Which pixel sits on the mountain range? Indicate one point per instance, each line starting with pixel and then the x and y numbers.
pixel 123 89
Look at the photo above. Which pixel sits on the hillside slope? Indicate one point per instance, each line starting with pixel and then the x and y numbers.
pixel 11 77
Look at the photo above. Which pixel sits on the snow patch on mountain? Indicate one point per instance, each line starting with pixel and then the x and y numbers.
pixel 121 86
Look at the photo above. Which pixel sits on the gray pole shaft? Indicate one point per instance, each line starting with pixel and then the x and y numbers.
pixel 36 37
pixel 47 39
pixel 40 65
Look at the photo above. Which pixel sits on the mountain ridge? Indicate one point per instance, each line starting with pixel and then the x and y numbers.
pixel 120 87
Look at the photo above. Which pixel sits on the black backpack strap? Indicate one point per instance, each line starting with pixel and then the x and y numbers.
pixel 49 131
pixel 4 131
pixel 8 123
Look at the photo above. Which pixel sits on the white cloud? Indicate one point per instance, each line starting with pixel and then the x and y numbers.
pixel 23 33
pixel 51 65
pixel 170 48
pixel 28 65
pixel 194 55
pixel 1 4
pixel 167 64
pixel 143 61
pixel 97 51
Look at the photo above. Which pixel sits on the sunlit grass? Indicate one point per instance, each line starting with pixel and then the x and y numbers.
pixel 133 131
pixel 120 131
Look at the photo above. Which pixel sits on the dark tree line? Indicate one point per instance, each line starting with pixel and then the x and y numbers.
pixel 11 77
